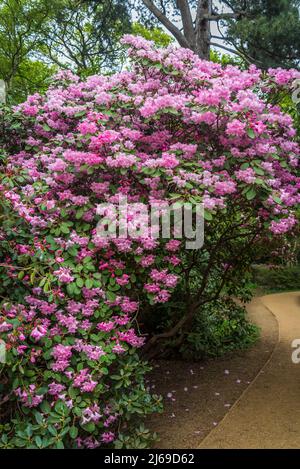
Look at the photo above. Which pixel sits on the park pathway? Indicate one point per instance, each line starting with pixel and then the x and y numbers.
pixel 267 415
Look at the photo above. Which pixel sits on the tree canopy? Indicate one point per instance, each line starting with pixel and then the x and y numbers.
pixel 84 35
pixel 270 32
pixel 265 32
pixel 20 24
pixel 37 37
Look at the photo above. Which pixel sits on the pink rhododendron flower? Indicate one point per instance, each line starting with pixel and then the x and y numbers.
pixel 87 128
pixel 236 128
pixel 64 275
pixel 38 332
pixel 84 381
pixel 108 437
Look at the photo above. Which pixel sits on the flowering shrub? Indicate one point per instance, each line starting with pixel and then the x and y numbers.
pixel 76 306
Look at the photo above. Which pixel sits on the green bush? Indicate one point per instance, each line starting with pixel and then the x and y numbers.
pixel 276 279
pixel 219 327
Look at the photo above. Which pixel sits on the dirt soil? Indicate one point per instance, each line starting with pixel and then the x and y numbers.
pixel 197 396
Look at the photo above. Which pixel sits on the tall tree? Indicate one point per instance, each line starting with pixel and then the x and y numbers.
pixel 189 21
pixel 266 32
pixel 38 36
pixel 20 25
pixel 84 35
pixel 270 35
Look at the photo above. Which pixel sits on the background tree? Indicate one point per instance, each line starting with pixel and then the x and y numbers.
pixel 266 32
pixel 38 36
pixel 269 34
pixel 20 25
pixel 156 34
pixel 189 21
pixel 84 35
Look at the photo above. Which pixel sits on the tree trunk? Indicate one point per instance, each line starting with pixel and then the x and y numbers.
pixel 202 26
pixel 198 37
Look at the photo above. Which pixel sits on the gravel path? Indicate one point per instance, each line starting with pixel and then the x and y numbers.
pixel 267 414
pixel 197 395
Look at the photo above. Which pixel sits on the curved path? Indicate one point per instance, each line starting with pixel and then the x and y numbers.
pixel 267 415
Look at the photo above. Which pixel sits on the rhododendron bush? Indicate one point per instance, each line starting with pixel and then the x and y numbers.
pixel 78 308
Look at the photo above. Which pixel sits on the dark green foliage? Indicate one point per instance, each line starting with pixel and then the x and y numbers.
pixel 269 32
pixel 84 35
pixel 219 327
pixel 277 279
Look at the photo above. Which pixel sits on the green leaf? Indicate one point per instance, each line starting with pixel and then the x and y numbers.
pixel 21 275
pixel 89 283
pixel 171 110
pixel 45 407
pixel 89 427
pixel 59 445
pixel 251 133
pixel 80 114
pixel 79 282
pixel 73 251
pixel 48 343
pixel 71 288
pixel 77 411
pixel 64 228
pixel 42 390
pixel 79 213
pixel 61 408
pixel 38 440
pixel 277 199
pixel 207 215
pixel 38 418
pixel 73 432
pixel 259 171
pixel 87 259
pixel 110 296
pixel 250 194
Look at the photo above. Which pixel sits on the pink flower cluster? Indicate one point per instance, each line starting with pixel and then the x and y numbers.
pixel 84 381
pixel 29 398
pixel 62 355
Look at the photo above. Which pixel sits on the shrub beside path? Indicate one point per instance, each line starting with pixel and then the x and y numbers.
pixel 267 415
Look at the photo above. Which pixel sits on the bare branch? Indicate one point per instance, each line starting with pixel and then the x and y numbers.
pixel 224 16
pixel 187 20
pixel 228 49
pixel 167 23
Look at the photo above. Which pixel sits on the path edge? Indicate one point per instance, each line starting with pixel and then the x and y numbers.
pixel 254 379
